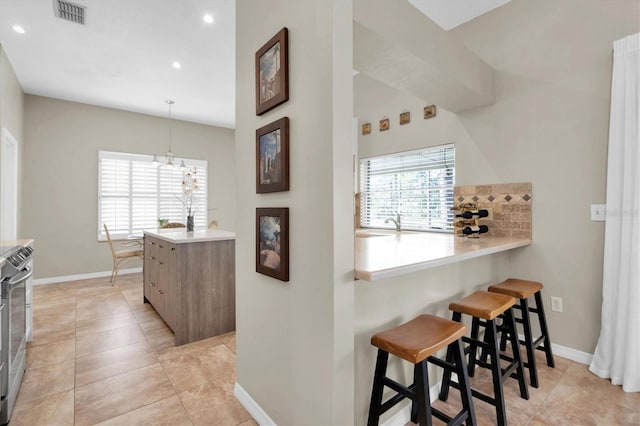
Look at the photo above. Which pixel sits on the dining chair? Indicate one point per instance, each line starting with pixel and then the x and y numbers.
pixel 173 225
pixel 129 251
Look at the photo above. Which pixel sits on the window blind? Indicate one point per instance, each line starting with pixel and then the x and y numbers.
pixel 133 193
pixel 416 184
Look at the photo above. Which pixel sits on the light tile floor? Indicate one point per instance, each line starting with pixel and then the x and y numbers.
pixel 568 395
pixel 101 356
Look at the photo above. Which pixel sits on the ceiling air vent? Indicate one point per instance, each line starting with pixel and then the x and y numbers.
pixel 69 11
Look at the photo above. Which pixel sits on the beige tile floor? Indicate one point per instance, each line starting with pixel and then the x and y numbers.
pixel 101 356
pixel 568 395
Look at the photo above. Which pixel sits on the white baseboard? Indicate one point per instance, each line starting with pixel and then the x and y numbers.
pixel 258 414
pixel 53 280
pixel 568 353
pixel 572 354
pixel 403 416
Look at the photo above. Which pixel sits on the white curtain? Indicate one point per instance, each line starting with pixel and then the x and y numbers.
pixel 617 355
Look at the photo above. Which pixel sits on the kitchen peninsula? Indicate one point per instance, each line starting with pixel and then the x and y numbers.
pixel 189 279
pixel 381 254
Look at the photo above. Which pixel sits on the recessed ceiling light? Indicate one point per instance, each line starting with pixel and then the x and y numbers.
pixel 18 29
pixel 176 65
pixel 208 18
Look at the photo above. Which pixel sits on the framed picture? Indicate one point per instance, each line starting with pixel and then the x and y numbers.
pixel 272 73
pixel 384 124
pixel 405 118
pixel 272 157
pixel 430 111
pixel 366 128
pixel 272 242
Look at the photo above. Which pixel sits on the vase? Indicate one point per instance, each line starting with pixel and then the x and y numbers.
pixel 189 223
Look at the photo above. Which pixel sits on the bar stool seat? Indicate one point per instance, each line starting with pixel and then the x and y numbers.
pixel 522 290
pixel 416 341
pixel 485 308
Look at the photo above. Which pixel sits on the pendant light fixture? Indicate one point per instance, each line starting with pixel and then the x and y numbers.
pixel 170 155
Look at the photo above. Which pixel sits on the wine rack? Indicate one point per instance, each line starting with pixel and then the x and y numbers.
pixel 466 222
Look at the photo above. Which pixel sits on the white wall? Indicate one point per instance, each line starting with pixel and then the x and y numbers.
pixel 60 189
pixel 11 118
pixel 295 339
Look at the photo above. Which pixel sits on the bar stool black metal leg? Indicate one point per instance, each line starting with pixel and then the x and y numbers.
pixel 378 386
pixel 515 347
pixel 543 329
pixel 528 340
pixel 496 372
pixel 422 400
pixel 463 380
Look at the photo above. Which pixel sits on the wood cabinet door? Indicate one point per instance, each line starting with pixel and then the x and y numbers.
pixel 151 270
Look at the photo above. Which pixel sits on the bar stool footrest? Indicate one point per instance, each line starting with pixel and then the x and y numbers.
pixel 482 396
pixel 455 421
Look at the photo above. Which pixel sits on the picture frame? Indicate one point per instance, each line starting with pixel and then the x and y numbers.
pixel 272 72
pixel 405 118
pixel 272 157
pixel 366 128
pixel 429 111
pixel 384 124
pixel 272 242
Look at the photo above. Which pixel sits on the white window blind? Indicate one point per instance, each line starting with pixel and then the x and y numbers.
pixel 133 193
pixel 416 184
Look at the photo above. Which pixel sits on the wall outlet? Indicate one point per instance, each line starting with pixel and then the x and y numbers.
pixel 556 304
pixel 598 212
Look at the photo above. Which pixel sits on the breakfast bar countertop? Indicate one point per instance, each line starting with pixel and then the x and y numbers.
pixel 383 254
pixel 181 236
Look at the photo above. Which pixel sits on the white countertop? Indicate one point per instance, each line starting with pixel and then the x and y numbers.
pixel 388 254
pixel 180 235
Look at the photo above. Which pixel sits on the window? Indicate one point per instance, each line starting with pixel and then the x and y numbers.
pixel 416 184
pixel 133 194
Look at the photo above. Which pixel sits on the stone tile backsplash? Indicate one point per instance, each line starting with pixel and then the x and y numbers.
pixel 509 202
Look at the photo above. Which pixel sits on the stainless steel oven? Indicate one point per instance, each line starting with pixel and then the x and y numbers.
pixel 15 274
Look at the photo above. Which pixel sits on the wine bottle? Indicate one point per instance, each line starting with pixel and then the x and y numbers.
pixel 474 213
pixel 481 229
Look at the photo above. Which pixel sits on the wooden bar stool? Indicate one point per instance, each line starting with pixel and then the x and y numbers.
pixel 485 307
pixel 523 289
pixel 416 341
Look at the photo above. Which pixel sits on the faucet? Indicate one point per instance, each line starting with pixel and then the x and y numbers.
pixel 396 221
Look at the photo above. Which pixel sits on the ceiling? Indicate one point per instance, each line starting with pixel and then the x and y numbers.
pixel 448 14
pixel 122 58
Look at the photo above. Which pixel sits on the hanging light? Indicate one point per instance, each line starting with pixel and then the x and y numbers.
pixel 182 165
pixel 170 156
pixel 155 161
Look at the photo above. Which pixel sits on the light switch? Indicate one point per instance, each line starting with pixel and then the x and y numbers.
pixel 598 212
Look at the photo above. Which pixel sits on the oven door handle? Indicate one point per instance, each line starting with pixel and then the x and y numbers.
pixel 21 276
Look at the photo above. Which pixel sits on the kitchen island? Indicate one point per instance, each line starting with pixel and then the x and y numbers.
pixel 189 279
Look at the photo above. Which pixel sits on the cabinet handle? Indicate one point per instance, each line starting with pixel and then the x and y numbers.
pixel 152 284
pixel 161 246
pixel 160 263
pixel 153 258
pixel 173 249
pixel 152 243
pixel 160 292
